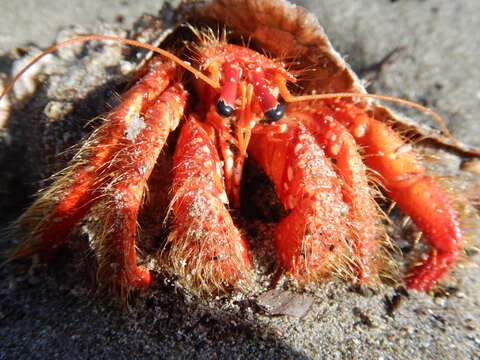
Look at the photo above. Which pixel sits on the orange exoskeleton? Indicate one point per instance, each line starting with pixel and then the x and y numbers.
pixel 317 149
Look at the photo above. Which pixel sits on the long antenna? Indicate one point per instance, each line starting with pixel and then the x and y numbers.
pixel 162 52
pixel 288 97
pixel 214 84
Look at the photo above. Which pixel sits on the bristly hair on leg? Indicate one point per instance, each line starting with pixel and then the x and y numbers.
pixel 206 250
pixel 33 226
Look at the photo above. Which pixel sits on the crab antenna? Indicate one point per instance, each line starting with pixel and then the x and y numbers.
pixel 162 52
pixel 288 97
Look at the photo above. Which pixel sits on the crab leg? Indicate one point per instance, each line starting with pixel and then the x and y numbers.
pixel 116 232
pixel 207 251
pixel 418 195
pixel 311 240
pixel 339 144
pixel 52 216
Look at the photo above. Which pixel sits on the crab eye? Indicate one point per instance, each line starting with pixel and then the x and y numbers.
pixel 223 108
pixel 276 113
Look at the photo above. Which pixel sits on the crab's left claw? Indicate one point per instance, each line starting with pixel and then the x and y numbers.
pixel 208 253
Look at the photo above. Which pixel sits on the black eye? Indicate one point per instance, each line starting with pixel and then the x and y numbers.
pixel 275 113
pixel 223 109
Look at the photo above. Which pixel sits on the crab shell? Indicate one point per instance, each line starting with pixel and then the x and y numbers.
pixel 282 29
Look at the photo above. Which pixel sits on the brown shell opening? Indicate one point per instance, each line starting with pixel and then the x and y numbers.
pixel 284 30
pixel 278 29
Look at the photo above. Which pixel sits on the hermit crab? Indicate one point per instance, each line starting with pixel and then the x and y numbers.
pixel 255 79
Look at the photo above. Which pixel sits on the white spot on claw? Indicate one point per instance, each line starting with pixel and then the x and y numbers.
pixel 218 169
pixel 335 149
pixel 205 149
pixel 229 165
pixel 289 173
pixel 223 197
pixel 291 202
pixel 360 130
pixel 283 128
pixel 134 127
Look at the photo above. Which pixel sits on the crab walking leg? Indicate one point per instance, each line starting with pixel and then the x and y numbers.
pixel 311 240
pixel 61 206
pixel 207 251
pixel 363 225
pixel 114 236
pixel 418 195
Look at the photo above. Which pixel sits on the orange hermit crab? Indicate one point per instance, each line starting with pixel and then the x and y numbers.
pixel 316 150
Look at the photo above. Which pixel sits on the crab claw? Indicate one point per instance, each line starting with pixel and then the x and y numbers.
pixel 207 251
pixel 311 239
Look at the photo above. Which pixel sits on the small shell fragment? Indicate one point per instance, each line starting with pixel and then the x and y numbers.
pixel 279 302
